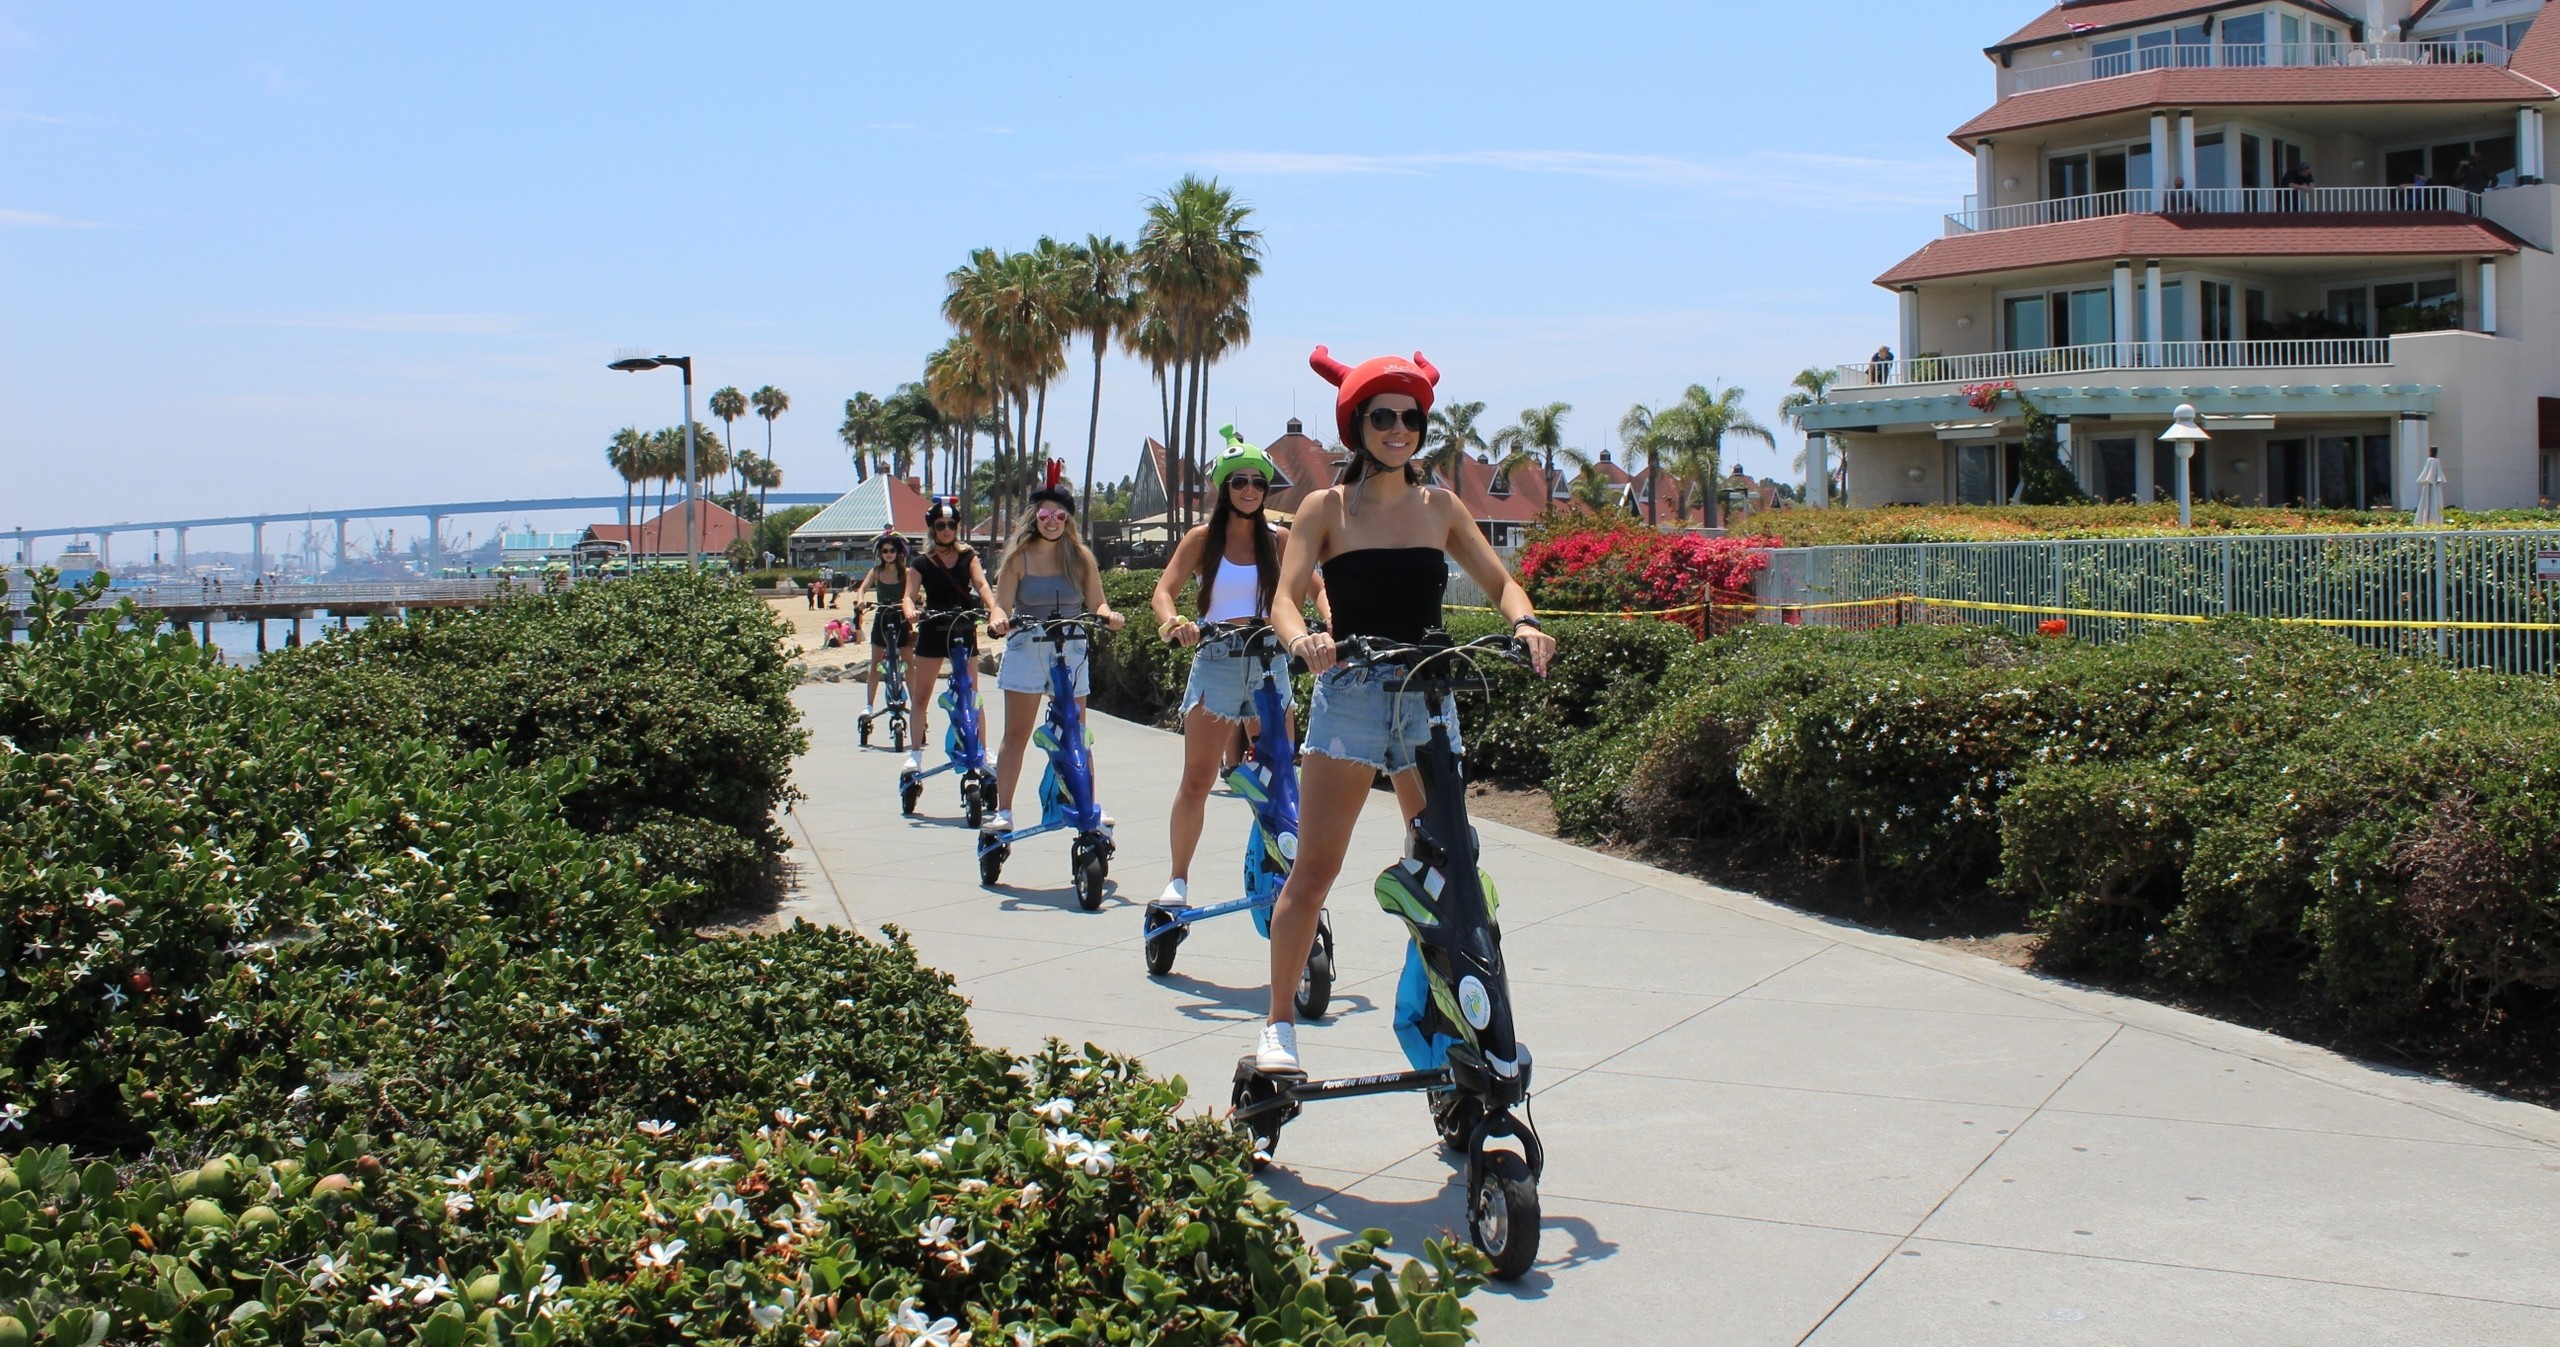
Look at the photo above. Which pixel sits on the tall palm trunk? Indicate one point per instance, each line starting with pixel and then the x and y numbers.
pixel 1092 434
pixel 1040 430
pixel 1177 416
pixel 1191 438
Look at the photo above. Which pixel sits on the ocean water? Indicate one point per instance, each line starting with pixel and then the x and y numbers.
pixel 238 641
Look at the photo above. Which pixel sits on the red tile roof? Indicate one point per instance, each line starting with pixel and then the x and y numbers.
pixel 2538 56
pixel 2225 86
pixel 664 536
pixel 2192 236
pixel 2072 16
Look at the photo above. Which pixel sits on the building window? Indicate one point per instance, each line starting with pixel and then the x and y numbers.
pixel 2433 304
pixel 2114 462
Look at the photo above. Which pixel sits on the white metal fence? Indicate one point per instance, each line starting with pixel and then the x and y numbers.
pixel 2309 353
pixel 2469 597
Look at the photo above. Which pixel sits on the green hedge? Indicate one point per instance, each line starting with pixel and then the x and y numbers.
pixel 672 687
pixel 331 1037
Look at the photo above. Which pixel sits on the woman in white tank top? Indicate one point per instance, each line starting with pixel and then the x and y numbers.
pixel 1236 559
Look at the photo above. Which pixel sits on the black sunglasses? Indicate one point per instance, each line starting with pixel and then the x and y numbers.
pixel 1385 418
pixel 1249 483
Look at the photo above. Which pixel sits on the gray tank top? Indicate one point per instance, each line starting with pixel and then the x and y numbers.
pixel 1047 596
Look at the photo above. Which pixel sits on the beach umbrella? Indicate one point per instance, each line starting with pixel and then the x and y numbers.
pixel 2431 493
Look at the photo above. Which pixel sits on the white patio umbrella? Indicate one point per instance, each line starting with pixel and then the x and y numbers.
pixel 2430 512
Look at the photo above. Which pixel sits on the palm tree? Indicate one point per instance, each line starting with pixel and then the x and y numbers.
pixel 1101 308
pixel 769 402
pixel 1698 427
pixel 1810 385
pixel 728 404
pixel 908 422
pixel 1590 488
pixel 628 455
pixel 1453 433
pixel 956 378
pixel 861 427
pixel 1642 433
pixel 764 476
pixel 1538 433
pixel 1196 261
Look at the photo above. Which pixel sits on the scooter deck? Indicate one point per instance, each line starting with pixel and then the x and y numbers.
pixel 1300 1090
pixel 1188 914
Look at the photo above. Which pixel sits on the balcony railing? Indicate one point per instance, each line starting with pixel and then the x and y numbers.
pixel 2321 353
pixel 2214 201
pixel 2216 56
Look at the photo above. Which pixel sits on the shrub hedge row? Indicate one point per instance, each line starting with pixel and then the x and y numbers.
pixel 322 1031
pixel 2206 806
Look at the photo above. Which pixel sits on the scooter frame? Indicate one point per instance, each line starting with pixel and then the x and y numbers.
pixel 1270 782
pixel 965 742
pixel 1483 1088
pixel 893 671
pixel 1066 789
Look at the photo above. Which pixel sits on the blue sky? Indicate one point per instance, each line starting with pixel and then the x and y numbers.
pixel 285 256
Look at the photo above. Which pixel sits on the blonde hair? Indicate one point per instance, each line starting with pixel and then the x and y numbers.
pixel 1078 564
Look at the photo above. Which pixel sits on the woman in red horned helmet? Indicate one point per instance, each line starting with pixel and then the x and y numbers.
pixel 1384 542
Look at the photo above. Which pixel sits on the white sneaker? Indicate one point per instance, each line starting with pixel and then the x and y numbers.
pixel 1279 1049
pixel 1177 893
pixel 915 760
pixel 1002 822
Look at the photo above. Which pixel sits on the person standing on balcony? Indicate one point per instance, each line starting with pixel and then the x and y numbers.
pixel 2300 180
pixel 2474 179
pixel 1880 366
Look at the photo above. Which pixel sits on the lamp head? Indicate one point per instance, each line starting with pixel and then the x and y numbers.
pixel 634 364
pixel 2184 435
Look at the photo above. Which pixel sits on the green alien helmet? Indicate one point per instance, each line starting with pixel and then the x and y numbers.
pixel 1238 454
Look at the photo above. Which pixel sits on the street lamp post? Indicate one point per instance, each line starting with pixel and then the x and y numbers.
pixel 633 364
pixel 2183 436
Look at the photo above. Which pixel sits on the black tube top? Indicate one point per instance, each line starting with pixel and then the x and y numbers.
pixel 1389 592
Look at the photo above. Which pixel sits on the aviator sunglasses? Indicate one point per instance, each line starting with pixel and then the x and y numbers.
pixel 1385 418
pixel 1242 482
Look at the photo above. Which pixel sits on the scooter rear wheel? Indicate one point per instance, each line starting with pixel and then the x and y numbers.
pixel 991 864
pixel 1315 981
pixel 975 804
pixel 1164 939
pixel 1092 873
pixel 908 794
pixel 897 734
pixel 1502 1214
pixel 864 724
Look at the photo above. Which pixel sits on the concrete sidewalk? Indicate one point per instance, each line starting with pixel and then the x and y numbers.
pixel 1762 1127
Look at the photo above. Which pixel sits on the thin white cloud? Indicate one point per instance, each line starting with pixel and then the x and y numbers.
pixel 36 219
pixel 1805 179
pixel 47 118
pixel 464 324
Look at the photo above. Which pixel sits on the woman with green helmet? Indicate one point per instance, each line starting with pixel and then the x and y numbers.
pixel 1235 557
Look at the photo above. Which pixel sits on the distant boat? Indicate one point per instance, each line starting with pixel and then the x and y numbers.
pixel 78 562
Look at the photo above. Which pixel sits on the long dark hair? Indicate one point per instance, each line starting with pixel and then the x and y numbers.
pixel 1361 464
pixel 1266 553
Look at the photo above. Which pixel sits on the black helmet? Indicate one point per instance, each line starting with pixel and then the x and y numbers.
pixel 890 538
pixel 943 510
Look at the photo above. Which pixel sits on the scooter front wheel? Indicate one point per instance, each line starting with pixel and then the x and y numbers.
pixel 991 864
pixel 1092 873
pixel 1502 1214
pixel 908 795
pixel 897 734
pixel 865 725
pixel 1252 1087
pixel 1164 938
pixel 1315 981
pixel 975 804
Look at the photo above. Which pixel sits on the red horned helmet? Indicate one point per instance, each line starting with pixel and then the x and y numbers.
pixel 1052 489
pixel 1358 383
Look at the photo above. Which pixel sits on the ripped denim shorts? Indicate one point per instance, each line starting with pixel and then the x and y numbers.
pixel 1357 715
pixel 1223 680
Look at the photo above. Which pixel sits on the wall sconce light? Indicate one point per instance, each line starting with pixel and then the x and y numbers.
pixel 2239 465
pixel 2358 166
pixel 1964 322
pixel 2009 184
pixel 1914 474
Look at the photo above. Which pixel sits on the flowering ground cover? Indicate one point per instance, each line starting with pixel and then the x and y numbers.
pixel 311 1032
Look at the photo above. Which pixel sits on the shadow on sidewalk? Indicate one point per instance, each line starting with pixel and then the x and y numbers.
pixel 1439 1216
pixel 1249 1001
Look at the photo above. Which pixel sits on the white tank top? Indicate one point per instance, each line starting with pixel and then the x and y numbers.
pixel 1236 596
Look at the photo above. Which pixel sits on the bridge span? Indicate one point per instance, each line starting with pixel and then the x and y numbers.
pixel 435 515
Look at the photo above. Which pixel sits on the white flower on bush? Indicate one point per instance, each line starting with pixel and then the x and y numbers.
pixel 726 1204
pixel 384 1295
pixel 544 1209
pixel 973 1185
pixel 909 1328
pixel 1057 1110
pixel 1093 1157
pixel 807 1080
pixel 96 898
pixel 657 1129
pixel 33 1029
pixel 426 1290
pixel 464 1178
pixel 548 1287
pixel 936 1233
pixel 114 996
pixel 930 1157
pixel 787 1117
pixel 1060 1138
pixel 457 1203
pixel 13 1117
pixel 300 1093
pixel 300 840
pixel 661 1255
pixel 207 1101
pixel 700 1163
pixel 324 1271
pixel 417 855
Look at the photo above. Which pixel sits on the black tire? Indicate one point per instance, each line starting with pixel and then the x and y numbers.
pixel 1502 1214
pixel 991 866
pixel 1315 982
pixel 864 723
pixel 897 734
pixel 1265 1130
pixel 908 795
pixel 1454 1116
pixel 975 804
pixel 1164 940
pixel 1092 873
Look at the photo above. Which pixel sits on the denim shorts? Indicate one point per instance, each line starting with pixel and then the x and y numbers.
pixel 1027 659
pixel 1223 680
pixel 1357 716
